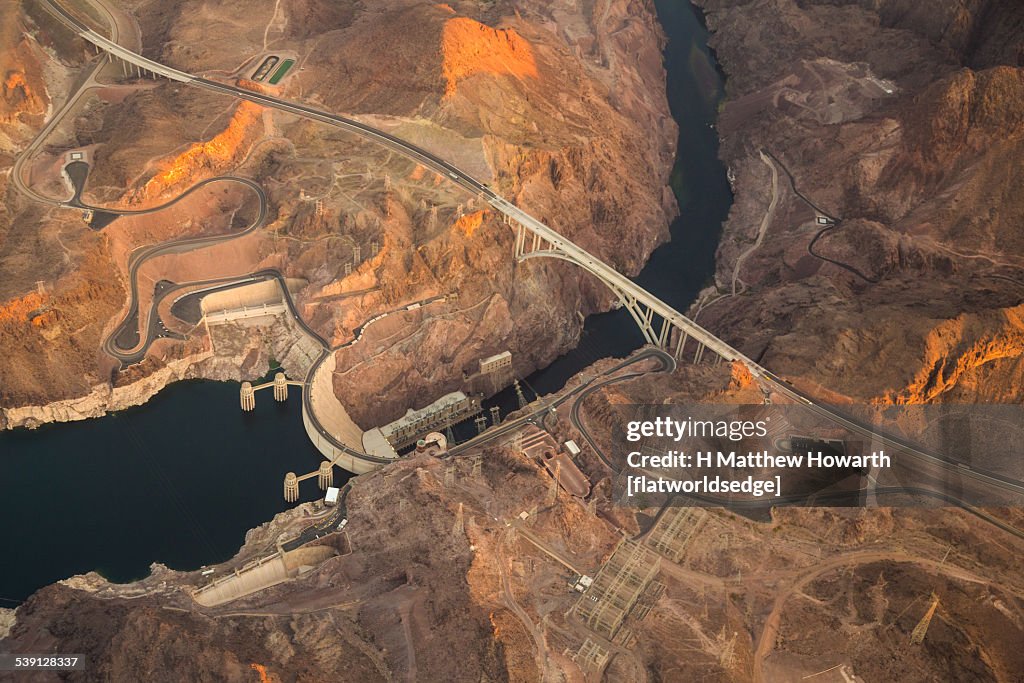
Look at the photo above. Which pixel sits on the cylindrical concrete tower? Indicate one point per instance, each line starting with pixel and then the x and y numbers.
pixel 280 387
pixel 291 487
pixel 325 478
pixel 248 397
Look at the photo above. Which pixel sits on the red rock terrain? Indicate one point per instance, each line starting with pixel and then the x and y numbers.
pixel 571 124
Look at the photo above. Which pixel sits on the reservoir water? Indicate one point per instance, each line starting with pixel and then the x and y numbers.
pixel 177 481
pixel 181 479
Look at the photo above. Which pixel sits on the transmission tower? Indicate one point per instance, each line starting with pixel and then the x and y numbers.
pixel 919 632
pixel 519 395
pixel 727 655
pixel 459 527
pixel 553 492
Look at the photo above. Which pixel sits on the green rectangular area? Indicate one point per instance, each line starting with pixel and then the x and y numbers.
pixel 281 71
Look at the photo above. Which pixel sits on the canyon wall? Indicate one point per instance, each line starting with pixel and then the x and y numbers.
pixel 902 121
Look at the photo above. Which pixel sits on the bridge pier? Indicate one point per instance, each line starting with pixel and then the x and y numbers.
pixel 681 345
pixel 280 387
pixel 325 477
pixel 291 487
pixel 666 334
pixel 248 397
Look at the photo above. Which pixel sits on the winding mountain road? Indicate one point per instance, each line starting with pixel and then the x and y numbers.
pixel 138 258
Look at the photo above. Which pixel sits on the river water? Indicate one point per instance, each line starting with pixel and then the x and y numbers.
pixel 181 479
pixel 678 270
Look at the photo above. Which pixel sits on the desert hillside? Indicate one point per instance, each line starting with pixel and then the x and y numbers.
pixel 902 121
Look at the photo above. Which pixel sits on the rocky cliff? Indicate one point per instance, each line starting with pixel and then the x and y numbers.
pixel 901 124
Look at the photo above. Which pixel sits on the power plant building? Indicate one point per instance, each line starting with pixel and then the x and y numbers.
pixel 495 363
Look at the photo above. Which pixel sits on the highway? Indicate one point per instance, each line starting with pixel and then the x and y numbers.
pixel 621 285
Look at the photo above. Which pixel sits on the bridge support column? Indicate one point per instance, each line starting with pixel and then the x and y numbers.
pixel 681 345
pixel 248 397
pixel 291 487
pixel 666 333
pixel 280 387
pixel 495 415
pixel 699 354
pixel 325 477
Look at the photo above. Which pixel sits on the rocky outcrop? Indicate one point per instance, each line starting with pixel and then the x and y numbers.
pixel 472 48
pixel 904 123
pixel 102 399
pixel 6 621
pixel 205 159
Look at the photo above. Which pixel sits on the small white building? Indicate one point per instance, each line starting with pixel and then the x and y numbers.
pixel 584 583
pixel 572 448
pixel 331 499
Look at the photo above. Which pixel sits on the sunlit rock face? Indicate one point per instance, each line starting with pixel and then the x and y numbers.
pixel 23 96
pixel 205 159
pixel 470 48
